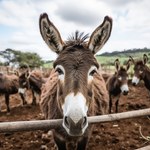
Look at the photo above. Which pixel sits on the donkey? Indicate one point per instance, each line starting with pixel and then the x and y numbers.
pixel 118 83
pixel 9 84
pixel 31 80
pixel 75 88
pixel 141 72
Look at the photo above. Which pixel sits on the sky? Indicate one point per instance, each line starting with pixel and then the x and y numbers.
pixel 19 23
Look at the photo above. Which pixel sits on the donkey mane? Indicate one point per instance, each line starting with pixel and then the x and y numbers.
pixel 139 62
pixel 48 98
pixel 122 68
pixel 77 39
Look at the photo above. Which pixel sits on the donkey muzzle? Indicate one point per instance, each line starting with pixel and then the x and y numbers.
pixel 135 81
pixel 75 114
pixel 125 89
pixel 75 128
pixel 125 92
pixel 134 84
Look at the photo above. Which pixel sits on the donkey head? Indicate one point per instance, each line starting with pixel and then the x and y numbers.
pixel 23 81
pixel 122 76
pixel 76 66
pixel 139 69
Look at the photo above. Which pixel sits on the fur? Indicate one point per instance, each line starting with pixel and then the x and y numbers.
pixel 113 86
pixel 51 101
pixel 145 75
pixel 78 74
pixel 32 80
pixel 9 84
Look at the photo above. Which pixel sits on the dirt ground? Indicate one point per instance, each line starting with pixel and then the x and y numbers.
pixel 120 135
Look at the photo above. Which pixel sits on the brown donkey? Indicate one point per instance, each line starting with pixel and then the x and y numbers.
pixel 9 84
pixel 75 89
pixel 31 80
pixel 118 83
pixel 141 72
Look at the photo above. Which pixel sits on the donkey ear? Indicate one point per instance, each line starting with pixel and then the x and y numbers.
pixel 145 58
pixel 128 64
pixel 27 74
pixel 117 64
pixel 50 34
pixel 16 72
pixel 100 36
pixel 132 60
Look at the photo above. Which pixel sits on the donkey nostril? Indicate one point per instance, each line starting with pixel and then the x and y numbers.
pixel 84 122
pixel 125 92
pixel 66 121
pixel 133 84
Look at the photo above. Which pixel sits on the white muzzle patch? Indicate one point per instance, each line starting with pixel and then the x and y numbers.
pixel 124 88
pixel 21 90
pixel 135 80
pixel 75 108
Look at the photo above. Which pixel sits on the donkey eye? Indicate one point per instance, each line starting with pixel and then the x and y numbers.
pixel 119 78
pixel 140 71
pixel 24 83
pixel 92 72
pixel 60 72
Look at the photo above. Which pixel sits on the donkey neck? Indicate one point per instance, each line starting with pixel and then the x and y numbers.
pixel 146 79
pixel 115 86
pixel 36 83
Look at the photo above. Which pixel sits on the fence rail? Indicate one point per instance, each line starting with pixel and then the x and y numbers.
pixel 144 148
pixel 51 124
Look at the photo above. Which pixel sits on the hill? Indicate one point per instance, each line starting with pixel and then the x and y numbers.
pixel 109 58
pixel 129 52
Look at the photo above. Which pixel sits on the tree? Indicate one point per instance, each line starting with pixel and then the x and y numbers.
pixel 19 58
pixel 7 55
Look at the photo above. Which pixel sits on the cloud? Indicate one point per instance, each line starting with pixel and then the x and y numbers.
pixel 84 13
pixel 118 3
pixel 19 23
pixel 16 13
pixel 77 13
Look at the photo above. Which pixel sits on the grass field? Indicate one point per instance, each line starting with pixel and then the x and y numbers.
pixel 107 62
pixel 122 58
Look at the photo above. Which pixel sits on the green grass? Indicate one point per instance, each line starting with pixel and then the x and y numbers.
pixel 48 65
pixel 122 58
pixel 108 61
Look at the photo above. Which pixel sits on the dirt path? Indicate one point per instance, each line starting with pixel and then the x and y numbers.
pixel 120 135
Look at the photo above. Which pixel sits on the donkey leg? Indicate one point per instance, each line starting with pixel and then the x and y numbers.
pixel 0 107
pixel 82 144
pixel 7 102
pixel 23 98
pixel 34 98
pixel 116 105
pixel 110 103
pixel 60 144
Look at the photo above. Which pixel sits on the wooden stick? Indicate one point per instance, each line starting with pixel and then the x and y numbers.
pixel 119 116
pixel 53 124
pixel 144 148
